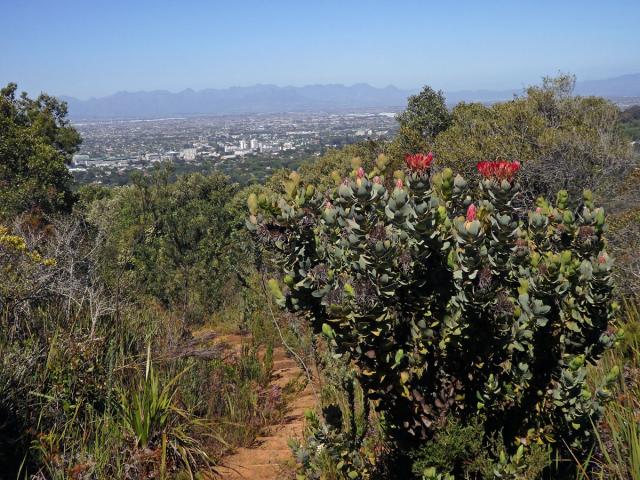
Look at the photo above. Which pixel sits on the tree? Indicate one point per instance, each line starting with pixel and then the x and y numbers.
pixel 36 144
pixel 425 117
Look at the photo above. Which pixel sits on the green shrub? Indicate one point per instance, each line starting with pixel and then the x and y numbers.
pixel 347 439
pixel 453 301
pixel 331 451
pixel 564 141
pixel 452 445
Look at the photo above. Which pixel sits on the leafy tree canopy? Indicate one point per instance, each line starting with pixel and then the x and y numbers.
pixel 425 117
pixel 176 239
pixel 36 143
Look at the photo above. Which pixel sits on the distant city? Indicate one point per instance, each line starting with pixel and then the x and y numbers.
pixel 246 147
pixel 255 130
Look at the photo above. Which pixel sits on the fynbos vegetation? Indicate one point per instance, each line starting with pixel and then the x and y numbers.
pixel 454 302
pixel 458 315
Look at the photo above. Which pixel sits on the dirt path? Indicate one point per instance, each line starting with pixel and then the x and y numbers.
pixel 269 457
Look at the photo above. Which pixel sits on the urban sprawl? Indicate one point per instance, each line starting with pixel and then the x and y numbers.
pixel 245 147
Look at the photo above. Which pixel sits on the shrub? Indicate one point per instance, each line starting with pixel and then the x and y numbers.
pixel 329 450
pixel 343 442
pixel 452 445
pixel 452 301
pixel 564 141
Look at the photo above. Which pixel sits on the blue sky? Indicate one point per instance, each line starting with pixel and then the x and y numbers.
pixel 95 47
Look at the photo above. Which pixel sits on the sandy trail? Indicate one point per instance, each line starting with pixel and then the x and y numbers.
pixel 270 457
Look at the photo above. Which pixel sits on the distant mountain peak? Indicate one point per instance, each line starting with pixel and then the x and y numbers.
pixel 261 98
pixel 269 98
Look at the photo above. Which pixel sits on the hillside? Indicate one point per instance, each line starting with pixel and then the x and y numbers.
pixel 374 314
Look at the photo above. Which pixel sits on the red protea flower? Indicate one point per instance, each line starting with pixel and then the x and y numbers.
pixel 419 162
pixel 360 172
pixel 471 213
pixel 500 170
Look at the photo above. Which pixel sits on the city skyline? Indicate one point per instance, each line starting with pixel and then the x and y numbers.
pixel 91 50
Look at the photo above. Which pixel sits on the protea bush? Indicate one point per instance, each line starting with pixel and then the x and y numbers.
pixel 454 301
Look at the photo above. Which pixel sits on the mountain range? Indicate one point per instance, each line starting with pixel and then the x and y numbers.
pixel 275 99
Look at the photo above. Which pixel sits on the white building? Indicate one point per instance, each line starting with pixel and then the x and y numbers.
pixel 254 144
pixel 188 154
pixel 170 155
pixel 244 145
pixel 80 159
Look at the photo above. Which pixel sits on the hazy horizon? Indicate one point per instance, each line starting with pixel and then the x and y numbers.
pixel 523 85
pixel 85 50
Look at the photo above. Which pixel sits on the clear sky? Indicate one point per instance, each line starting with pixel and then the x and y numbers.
pixel 96 47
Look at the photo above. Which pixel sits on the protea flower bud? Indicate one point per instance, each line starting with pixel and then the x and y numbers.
pixel 500 170
pixel 399 184
pixel 360 172
pixel 471 213
pixel 419 162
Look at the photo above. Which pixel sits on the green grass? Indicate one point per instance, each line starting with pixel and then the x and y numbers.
pixel 617 456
